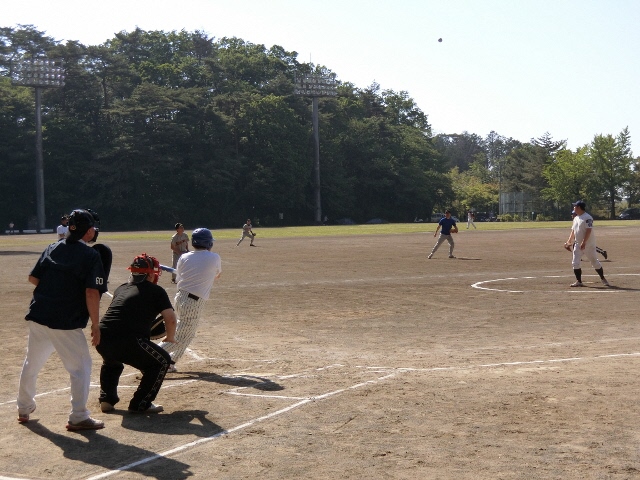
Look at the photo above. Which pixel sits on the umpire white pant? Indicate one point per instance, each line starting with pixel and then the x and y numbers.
pixel 73 350
pixel 188 311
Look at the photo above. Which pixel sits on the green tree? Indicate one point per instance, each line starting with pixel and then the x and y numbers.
pixel 612 158
pixel 570 177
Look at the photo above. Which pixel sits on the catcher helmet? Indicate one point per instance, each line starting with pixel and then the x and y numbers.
pixel 80 221
pixel 142 266
pixel 202 238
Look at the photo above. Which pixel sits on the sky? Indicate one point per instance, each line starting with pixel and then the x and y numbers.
pixel 521 68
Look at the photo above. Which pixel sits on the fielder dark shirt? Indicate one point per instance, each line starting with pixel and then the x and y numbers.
pixel 65 270
pixel 446 224
pixel 133 309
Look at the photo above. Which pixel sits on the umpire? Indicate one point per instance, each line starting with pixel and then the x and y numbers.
pixel 69 278
pixel 124 337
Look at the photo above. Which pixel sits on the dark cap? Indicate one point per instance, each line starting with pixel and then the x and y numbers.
pixel 178 225
pixel 580 204
pixel 80 221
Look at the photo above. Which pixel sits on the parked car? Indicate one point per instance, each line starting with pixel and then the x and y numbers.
pixel 630 214
pixel 436 217
pixel 485 217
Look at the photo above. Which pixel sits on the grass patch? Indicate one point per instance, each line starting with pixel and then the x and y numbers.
pixel 312 231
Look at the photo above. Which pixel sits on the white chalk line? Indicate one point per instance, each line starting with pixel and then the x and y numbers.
pixel 372 280
pixel 479 285
pixel 394 371
pixel 500 364
pixel 200 441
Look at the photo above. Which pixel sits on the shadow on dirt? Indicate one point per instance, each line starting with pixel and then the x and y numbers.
pixel 97 449
pixel 184 422
pixel 247 381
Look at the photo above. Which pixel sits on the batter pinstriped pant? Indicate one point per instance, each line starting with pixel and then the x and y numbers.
pixel 188 312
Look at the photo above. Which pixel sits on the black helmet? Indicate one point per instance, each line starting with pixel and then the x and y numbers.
pixel 80 221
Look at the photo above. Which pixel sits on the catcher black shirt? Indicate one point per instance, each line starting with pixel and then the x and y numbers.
pixel 133 309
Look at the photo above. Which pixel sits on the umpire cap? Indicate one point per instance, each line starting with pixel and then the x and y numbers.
pixel 80 221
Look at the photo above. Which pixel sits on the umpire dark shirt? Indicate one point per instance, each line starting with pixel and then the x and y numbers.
pixel 133 309
pixel 65 270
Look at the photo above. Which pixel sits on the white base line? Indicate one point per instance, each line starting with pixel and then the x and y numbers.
pixel 503 364
pixel 237 428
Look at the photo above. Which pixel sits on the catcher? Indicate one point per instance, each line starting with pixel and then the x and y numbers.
pixel 247 232
pixel 124 337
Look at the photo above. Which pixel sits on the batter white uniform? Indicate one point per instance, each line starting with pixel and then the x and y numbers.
pixel 196 272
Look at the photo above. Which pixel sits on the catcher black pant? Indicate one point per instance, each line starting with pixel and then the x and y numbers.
pixel 140 353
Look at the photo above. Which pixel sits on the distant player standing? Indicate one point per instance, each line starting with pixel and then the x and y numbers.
pixel 470 218
pixel 179 245
pixel 247 232
pixel 585 244
pixel 196 272
pixel 448 226
pixel 63 228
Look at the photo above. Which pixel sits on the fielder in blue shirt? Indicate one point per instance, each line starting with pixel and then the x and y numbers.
pixel 448 226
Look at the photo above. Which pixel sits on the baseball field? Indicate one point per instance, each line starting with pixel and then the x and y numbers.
pixel 348 354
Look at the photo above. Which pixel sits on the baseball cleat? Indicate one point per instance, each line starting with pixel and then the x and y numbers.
pixel 605 283
pixel 153 408
pixel 172 369
pixel 430 255
pixel 604 254
pixel 106 407
pixel 576 284
pixel 24 417
pixel 451 256
pixel 88 424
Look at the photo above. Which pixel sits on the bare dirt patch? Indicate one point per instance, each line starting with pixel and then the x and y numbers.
pixel 356 357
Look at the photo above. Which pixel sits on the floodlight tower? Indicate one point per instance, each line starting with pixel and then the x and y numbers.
pixel 316 86
pixel 38 73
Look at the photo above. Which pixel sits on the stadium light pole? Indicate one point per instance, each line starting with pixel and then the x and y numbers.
pixel 316 86
pixel 38 73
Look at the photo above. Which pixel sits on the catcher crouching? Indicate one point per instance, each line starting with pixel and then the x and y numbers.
pixel 125 331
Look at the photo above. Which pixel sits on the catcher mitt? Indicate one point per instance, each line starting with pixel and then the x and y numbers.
pixel 158 328
pixel 568 247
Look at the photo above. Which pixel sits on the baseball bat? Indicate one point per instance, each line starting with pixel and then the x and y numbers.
pixel 167 269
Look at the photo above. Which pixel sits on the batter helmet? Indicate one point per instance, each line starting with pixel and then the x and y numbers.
pixel 80 221
pixel 142 266
pixel 202 238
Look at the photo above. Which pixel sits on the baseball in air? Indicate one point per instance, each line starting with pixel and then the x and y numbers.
pixel 440 40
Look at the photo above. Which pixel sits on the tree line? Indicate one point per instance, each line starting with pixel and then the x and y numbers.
pixel 155 127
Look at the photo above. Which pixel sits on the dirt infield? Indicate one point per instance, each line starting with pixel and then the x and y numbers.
pixel 356 357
